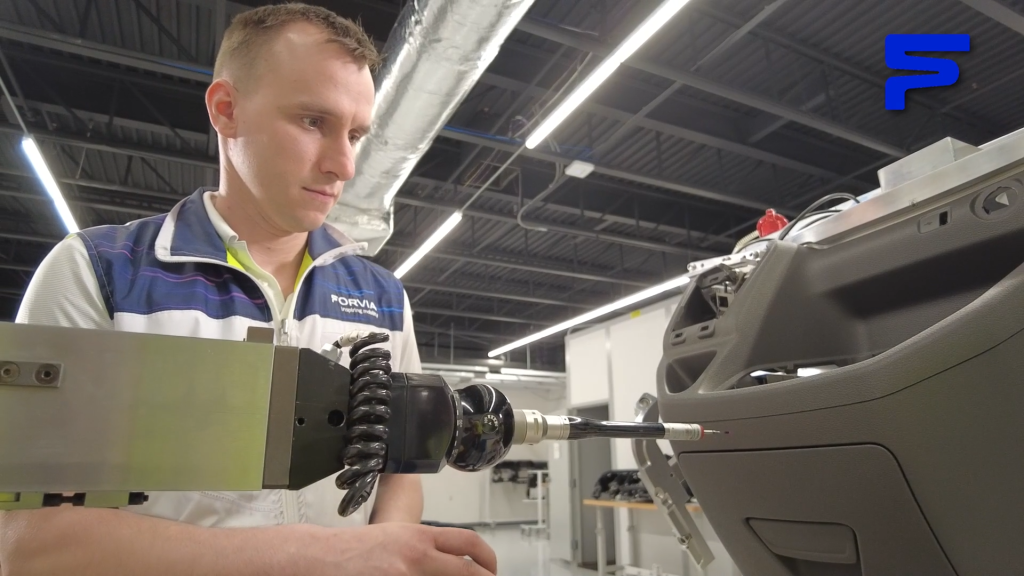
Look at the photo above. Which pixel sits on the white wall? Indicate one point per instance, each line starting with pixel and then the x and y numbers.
pixel 459 497
pixel 635 344
pixel 586 361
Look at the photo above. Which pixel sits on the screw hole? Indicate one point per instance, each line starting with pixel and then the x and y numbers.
pixel 336 418
pixel 300 421
pixel 46 374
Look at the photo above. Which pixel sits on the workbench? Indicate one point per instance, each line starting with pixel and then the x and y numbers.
pixel 602 567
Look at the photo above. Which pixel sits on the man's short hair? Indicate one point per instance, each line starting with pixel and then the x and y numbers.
pixel 251 31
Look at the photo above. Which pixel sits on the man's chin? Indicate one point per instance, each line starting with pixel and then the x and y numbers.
pixel 308 222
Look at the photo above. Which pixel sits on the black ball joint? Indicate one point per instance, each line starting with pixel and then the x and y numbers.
pixel 483 429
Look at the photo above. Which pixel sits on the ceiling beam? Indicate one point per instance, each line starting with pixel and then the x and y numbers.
pixel 764 124
pixel 100 185
pixel 1003 14
pixel 547 156
pixel 575 210
pixel 193 138
pixel 79 202
pixel 586 43
pixel 562 229
pixel 525 264
pixel 477 315
pixel 721 140
pixel 470 333
pixel 116 147
pixel 70 44
pixel 491 294
pixel 738 35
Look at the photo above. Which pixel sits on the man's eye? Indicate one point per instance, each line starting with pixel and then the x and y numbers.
pixel 311 122
pixel 355 138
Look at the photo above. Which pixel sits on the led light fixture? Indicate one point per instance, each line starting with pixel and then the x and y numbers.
pixel 588 316
pixel 427 246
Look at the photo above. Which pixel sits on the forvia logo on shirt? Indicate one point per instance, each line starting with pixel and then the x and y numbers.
pixel 355 305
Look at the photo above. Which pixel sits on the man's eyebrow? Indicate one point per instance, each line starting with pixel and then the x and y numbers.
pixel 363 130
pixel 314 108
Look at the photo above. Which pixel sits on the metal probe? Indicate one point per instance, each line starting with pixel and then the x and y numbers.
pixel 532 427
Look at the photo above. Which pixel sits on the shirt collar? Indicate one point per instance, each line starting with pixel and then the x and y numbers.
pixel 194 229
pixel 223 229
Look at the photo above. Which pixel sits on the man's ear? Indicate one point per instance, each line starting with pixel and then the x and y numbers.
pixel 221 104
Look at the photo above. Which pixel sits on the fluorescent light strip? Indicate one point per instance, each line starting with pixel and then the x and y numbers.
pixel 454 367
pixel 427 246
pixel 642 34
pixel 618 304
pixel 525 372
pixel 35 157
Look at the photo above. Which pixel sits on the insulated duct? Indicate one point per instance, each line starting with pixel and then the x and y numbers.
pixel 433 58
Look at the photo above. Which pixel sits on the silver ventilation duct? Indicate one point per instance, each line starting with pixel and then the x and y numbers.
pixel 433 58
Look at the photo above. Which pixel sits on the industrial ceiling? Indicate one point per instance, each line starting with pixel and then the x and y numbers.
pixel 734 107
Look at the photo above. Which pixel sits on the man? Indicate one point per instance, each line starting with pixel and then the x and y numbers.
pixel 291 96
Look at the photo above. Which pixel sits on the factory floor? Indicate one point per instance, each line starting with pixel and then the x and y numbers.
pixel 519 555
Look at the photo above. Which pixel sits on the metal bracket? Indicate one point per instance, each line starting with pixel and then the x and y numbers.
pixel 35 500
pixel 20 500
pixel 40 374
pixel 260 335
pixel 666 488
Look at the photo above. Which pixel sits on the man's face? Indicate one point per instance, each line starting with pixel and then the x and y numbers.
pixel 299 117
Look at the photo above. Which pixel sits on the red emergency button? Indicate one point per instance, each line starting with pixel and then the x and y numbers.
pixel 771 223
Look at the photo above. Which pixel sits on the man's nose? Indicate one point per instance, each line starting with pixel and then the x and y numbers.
pixel 338 159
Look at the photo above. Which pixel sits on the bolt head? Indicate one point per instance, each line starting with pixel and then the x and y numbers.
pixel 9 372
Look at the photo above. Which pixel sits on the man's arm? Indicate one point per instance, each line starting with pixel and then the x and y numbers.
pixel 400 496
pixel 94 542
pixel 399 499
pixel 98 542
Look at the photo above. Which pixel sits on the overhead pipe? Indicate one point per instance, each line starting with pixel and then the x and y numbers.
pixel 433 58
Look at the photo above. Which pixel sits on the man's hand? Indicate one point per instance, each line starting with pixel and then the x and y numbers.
pixel 391 549
pixel 99 542
pixel 350 338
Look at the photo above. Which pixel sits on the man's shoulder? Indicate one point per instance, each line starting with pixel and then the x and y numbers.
pixel 137 233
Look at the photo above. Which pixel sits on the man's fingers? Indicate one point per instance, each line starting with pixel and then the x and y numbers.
pixel 441 564
pixel 458 543
pixel 353 337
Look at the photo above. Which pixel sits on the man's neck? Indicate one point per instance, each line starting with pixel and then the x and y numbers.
pixel 277 252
